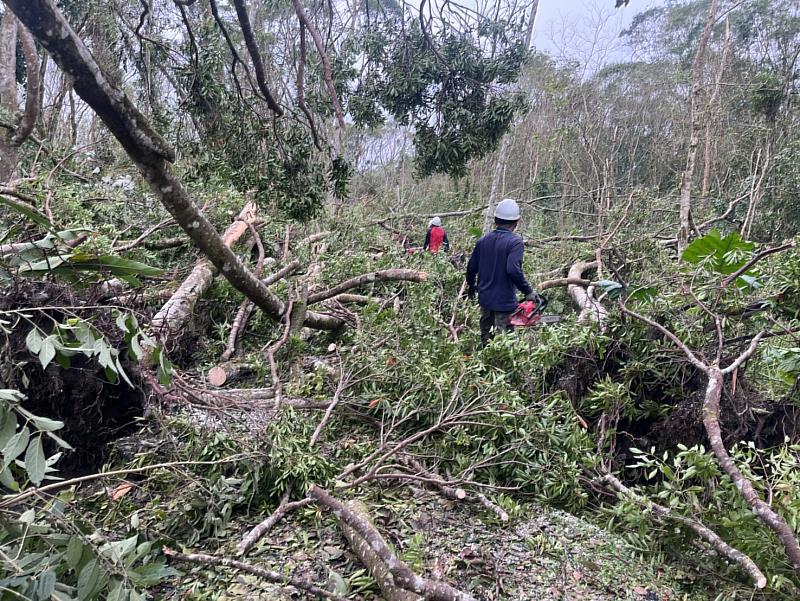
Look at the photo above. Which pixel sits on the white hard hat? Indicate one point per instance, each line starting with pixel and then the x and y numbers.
pixel 436 221
pixel 507 209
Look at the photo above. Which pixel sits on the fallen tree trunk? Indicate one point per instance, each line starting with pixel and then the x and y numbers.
pixel 369 557
pixel 149 152
pixel 401 575
pixel 177 311
pixel 408 275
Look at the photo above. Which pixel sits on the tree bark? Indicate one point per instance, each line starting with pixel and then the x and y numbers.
pixel 685 206
pixel 255 56
pixel 33 87
pixel 743 485
pixel 8 92
pixel 256 533
pixel 177 311
pixel 147 149
pixel 375 566
pixel 589 307
pixel 401 575
pixel 327 71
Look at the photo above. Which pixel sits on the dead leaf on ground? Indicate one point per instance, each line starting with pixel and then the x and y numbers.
pixel 120 490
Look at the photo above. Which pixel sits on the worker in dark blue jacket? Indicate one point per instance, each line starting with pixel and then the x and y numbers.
pixel 495 271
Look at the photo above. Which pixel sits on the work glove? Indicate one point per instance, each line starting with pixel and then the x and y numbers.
pixel 471 293
pixel 532 296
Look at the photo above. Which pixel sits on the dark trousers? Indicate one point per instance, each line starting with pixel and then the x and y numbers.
pixel 493 319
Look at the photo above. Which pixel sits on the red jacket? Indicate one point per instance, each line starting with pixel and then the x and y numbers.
pixel 434 238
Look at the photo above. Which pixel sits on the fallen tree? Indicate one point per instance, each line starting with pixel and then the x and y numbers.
pixel 177 311
pixel 398 574
pixel 715 383
pixel 148 150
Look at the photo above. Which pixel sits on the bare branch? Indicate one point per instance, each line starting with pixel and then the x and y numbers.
pixel 701 530
pixel 675 340
pixel 326 62
pixel 408 275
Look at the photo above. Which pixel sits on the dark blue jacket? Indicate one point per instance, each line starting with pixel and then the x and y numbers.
pixel 497 264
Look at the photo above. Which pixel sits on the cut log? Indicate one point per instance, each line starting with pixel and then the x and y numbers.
pixel 220 374
pixel 177 311
pixel 375 566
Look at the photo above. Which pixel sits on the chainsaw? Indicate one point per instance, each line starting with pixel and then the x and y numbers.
pixel 529 313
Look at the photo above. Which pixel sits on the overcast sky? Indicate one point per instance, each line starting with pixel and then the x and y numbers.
pixel 585 30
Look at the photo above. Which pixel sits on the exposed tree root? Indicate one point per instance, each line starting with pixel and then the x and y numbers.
pixel 716 378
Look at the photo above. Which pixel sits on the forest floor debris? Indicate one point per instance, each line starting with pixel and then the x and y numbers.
pixel 543 554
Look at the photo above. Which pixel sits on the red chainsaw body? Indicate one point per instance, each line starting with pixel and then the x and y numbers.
pixel 527 314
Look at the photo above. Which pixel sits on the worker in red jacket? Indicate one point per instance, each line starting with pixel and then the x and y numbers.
pixel 435 237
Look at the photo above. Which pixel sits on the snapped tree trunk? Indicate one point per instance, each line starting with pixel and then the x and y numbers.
pixel 177 311
pixel 151 154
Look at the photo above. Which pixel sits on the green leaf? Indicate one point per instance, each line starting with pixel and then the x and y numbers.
pixel 45 585
pixel 722 255
pixel 33 341
pixel 747 281
pixel 60 441
pixel 121 371
pixel 611 288
pixel 9 394
pixel 643 293
pixel 151 574
pixel 117 591
pixel 49 425
pixel 16 446
pixel 47 352
pixel 35 461
pixel 8 427
pixel 7 480
pixel 117 550
pixel 26 210
pixel 74 552
pixel 90 580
